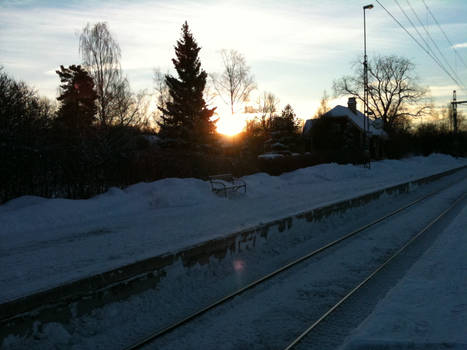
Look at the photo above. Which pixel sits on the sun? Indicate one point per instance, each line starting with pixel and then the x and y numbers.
pixel 230 124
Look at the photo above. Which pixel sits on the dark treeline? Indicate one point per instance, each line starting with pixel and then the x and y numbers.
pixel 426 139
pixel 97 134
pixel 51 153
pixel 95 137
pixel 66 152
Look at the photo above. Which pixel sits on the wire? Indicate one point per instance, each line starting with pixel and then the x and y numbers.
pixel 444 33
pixel 427 46
pixel 418 43
pixel 433 42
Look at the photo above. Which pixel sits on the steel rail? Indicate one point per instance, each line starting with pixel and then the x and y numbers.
pixel 373 274
pixel 150 338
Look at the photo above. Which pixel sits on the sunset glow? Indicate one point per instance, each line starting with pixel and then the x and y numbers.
pixel 230 124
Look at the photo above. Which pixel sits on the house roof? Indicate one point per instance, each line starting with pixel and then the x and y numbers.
pixel 341 111
pixel 308 125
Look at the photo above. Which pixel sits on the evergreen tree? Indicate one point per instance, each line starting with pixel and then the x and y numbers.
pixel 290 123
pixel 78 98
pixel 283 131
pixel 186 118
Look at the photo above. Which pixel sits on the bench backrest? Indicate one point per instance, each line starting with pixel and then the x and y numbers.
pixel 223 177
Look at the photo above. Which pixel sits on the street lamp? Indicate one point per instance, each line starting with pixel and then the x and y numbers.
pixel 366 121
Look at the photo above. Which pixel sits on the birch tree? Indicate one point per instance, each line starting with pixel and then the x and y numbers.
pixel 235 83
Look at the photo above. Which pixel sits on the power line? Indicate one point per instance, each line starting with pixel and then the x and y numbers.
pixel 427 46
pixel 444 33
pixel 434 43
pixel 418 43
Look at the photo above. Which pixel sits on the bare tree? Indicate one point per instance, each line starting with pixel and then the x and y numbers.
pixel 235 83
pixel 267 106
pixel 210 92
pixel 160 87
pixel 133 109
pixel 394 95
pixel 323 105
pixel 161 92
pixel 101 57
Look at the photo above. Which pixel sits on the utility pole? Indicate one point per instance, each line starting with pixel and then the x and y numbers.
pixel 366 120
pixel 454 104
pixel 454 112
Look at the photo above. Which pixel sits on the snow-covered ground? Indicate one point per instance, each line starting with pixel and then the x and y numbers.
pixel 47 242
pixel 118 324
pixel 427 309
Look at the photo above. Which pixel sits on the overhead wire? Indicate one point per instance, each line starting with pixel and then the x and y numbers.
pixel 416 30
pixel 433 42
pixel 444 33
pixel 418 43
pixel 447 39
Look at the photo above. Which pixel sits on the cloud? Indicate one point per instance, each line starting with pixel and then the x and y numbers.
pixel 263 31
pixel 460 46
pixel 295 48
pixel 42 37
pixel 442 90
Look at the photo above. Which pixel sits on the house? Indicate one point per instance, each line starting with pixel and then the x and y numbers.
pixel 343 128
pixel 307 126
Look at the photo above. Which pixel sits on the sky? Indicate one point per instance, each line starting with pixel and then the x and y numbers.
pixel 295 48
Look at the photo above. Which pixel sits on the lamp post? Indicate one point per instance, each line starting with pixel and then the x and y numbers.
pixel 366 121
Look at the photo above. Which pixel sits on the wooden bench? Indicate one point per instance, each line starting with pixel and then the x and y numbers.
pixel 226 183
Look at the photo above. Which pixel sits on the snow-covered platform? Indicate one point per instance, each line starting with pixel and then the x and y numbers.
pixel 427 309
pixel 50 242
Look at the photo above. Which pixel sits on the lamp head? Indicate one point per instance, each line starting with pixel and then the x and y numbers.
pixel 368 7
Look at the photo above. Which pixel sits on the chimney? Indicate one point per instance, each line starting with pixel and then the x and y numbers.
pixel 352 104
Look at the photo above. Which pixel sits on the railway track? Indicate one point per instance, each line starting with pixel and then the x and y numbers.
pixel 327 249
pixel 293 344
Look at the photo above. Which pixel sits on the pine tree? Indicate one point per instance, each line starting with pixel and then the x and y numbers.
pixel 186 118
pixel 290 121
pixel 78 98
pixel 283 131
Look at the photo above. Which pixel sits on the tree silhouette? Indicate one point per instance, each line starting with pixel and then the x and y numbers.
pixel 283 131
pixel 101 57
pixel 186 118
pixel 235 83
pixel 289 122
pixel 394 95
pixel 323 105
pixel 20 106
pixel 78 98
pixel 267 106
pixel 24 138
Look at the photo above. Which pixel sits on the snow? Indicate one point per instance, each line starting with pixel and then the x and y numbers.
pixel 427 309
pixel 357 119
pixel 47 242
pixel 273 314
pixel 270 156
pixel 153 139
pixel 286 308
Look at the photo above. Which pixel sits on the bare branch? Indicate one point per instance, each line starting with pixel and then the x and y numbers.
pixel 393 90
pixel 101 57
pixel 235 83
pixel 267 106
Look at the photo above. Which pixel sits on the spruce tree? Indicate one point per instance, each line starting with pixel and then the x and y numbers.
pixel 289 120
pixel 283 131
pixel 186 117
pixel 78 98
